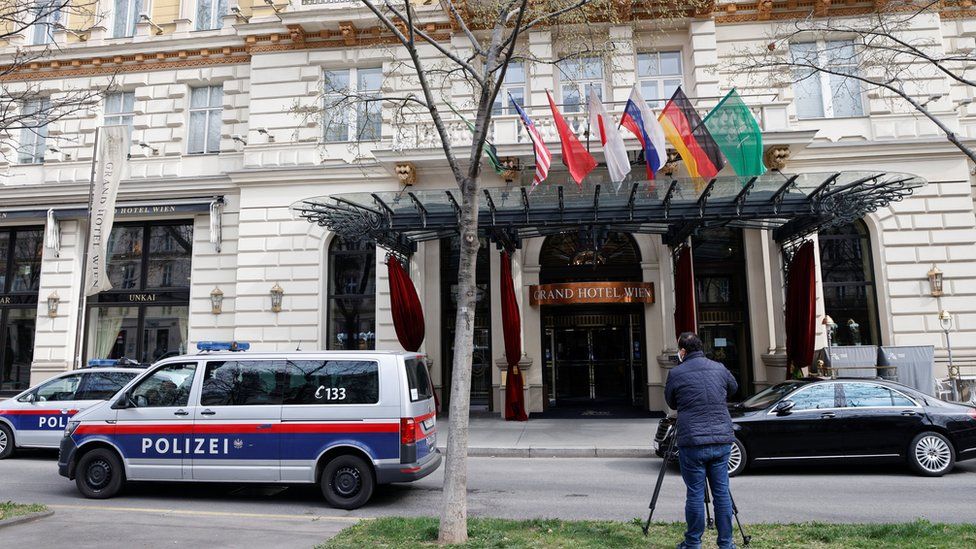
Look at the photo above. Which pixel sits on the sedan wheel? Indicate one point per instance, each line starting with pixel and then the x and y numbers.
pixel 737 458
pixel 931 454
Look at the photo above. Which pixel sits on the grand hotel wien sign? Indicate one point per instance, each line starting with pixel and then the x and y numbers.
pixel 578 293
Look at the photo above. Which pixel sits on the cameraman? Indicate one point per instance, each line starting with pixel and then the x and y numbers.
pixel 698 389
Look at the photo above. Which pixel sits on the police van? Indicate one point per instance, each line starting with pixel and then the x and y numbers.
pixel 36 418
pixel 346 420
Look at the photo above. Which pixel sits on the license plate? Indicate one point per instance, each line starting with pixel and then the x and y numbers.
pixel 431 440
pixel 429 424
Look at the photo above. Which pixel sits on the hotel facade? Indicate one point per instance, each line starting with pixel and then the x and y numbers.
pixel 218 98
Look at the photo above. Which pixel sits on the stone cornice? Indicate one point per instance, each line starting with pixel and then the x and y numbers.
pixel 64 194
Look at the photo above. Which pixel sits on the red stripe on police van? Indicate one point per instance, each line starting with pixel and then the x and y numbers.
pixel 237 428
pixel 338 428
pixel 36 412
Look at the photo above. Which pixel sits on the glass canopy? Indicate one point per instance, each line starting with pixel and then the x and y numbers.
pixel 790 205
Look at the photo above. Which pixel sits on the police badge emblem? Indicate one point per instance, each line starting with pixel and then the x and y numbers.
pixel 238 444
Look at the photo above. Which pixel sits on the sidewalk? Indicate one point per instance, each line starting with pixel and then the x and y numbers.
pixel 561 437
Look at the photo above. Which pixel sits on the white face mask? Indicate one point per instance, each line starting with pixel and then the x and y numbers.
pixel 681 355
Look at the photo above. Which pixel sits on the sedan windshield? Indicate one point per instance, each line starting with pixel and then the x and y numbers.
pixel 770 395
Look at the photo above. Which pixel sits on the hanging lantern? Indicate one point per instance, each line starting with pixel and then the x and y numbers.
pixel 276 295
pixel 216 301
pixel 935 281
pixel 53 301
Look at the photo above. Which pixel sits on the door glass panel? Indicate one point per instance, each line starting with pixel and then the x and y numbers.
pixel 27 261
pixel 103 385
pixel 334 382
pixel 164 333
pixel 168 386
pixel 125 258
pixel 814 398
pixel 241 383
pixel 4 250
pixel 112 332
pixel 61 389
pixel 865 395
pixel 170 248
pixel 18 348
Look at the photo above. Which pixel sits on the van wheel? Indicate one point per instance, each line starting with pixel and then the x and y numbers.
pixel 347 482
pixel 99 474
pixel 6 441
pixel 930 454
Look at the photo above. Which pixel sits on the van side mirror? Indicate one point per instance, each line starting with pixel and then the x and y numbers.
pixel 784 407
pixel 124 401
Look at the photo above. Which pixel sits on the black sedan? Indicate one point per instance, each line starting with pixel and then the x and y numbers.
pixel 845 420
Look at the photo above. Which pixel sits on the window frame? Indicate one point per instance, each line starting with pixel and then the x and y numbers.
pixel 12 301
pixel 35 136
pixel 42 33
pixel 126 118
pixel 505 108
pixel 353 110
pixel 823 80
pixel 332 295
pixel 581 84
pixel 658 100
pixel 215 17
pixel 136 7
pixel 207 111
pixel 869 278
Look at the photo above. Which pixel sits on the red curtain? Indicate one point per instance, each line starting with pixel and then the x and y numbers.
pixel 512 329
pixel 408 315
pixel 800 309
pixel 685 314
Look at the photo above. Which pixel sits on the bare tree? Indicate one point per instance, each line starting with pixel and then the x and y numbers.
pixel 882 54
pixel 493 34
pixel 29 30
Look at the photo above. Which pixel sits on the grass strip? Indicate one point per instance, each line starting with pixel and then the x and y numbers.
pixel 10 509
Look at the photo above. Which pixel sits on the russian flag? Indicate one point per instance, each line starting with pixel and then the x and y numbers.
pixel 639 119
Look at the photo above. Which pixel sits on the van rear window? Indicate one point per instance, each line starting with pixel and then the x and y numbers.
pixel 418 380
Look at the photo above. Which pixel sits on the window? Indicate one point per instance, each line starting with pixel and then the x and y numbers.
pixel 659 75
pixel 332 382
pixel 144 315
pixel 816 397
pixel 60 389
pixel 869 395
pixel 345 88
pixel 210 14
pixel 33 135
pixel 514 84
pixel 418 380
pixel 46 16
pixel 103 385
pixel 352 294
pixel 820 94
pixel 769 395
pixel 20 276
pixel 847 274
pixel 577 77
pixel 240 383
pixel 167 386
pixel 126 16
pixel 206 107
pixel 119 109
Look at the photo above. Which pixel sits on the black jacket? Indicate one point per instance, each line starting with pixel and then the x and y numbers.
pixel 698 389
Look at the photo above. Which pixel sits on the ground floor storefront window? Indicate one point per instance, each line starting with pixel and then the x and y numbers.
pixel 352 295
pixel 20 275
pixel 847 271
pixel 144 316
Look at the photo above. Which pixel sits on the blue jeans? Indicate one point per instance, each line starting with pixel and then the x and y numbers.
pixel 698 463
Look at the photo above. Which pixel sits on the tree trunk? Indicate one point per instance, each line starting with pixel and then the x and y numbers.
pixel 454 510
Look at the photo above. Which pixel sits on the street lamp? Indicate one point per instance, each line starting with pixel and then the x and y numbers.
pixel 216 301
pixel 276 295
pixel 935 281
pixel 945 321
pixel 52 304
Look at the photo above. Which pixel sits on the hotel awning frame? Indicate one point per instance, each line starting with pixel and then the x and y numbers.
pixel 791 206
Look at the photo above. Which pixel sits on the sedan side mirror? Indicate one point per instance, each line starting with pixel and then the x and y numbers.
pixel 784 407
pixel 30 398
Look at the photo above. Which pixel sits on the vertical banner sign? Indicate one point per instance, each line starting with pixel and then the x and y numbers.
pixel 105 187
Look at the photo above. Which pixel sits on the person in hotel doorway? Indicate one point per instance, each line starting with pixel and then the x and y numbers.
pixel 698 389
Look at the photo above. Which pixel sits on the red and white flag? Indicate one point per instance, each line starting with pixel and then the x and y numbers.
pixel 543 158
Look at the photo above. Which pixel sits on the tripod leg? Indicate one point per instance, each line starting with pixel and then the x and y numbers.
pixel 709 521
pixel 735 513
pixel 657 486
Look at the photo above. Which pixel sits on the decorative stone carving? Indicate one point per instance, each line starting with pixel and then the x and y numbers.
pixel 348 31
pixel 406 172
pixel 776 157
pixel 511 166
pixel 671 165
pixel 764 9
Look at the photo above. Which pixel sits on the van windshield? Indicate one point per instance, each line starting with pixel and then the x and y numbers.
pixel 418 379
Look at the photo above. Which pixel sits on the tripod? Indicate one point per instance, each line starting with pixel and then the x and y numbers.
pixel 657 492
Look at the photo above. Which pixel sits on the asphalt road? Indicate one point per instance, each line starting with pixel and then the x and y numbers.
pixel 223 515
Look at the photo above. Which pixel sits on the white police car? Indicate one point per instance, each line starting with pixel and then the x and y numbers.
pixel 347 420
pixel 37 417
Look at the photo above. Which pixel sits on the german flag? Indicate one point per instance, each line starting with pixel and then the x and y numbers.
pixel 684 129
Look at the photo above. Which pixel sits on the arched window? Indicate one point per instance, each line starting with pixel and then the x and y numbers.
pixel 352 294
pixel 847 272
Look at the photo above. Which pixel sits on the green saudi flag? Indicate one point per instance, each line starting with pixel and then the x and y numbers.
pixel 737 133
pixel 488 149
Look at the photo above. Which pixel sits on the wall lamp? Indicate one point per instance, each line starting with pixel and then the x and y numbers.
pixel 53 301
pixel 216 301
pixel 276 296
pixel 935 281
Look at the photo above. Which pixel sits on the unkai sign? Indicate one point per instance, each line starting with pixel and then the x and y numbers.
pixel 576 293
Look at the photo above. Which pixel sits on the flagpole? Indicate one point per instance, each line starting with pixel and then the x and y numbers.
pixel 82 298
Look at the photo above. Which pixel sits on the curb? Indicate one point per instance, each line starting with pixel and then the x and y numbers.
pixel 635 452
pixel 25 518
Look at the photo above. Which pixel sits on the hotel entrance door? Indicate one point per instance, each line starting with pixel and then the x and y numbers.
pixel 593 358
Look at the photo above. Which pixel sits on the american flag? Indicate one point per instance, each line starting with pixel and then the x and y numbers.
pixel 543 158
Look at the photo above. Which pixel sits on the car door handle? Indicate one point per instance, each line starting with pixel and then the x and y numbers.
pixel 208 413
pixel 181 413
pixel 828 415
pixel 908 413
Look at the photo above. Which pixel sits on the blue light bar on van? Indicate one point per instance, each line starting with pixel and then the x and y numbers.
pixel 205 346
pixel 102 362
